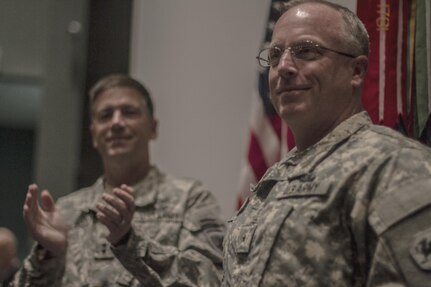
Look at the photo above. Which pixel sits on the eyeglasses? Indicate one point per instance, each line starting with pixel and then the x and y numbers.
pixel 305 51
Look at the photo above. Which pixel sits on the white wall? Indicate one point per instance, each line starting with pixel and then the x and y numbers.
pixel 197 59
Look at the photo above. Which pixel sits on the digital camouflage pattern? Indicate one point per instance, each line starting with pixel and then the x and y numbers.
pixel 352 210
pixel 176 240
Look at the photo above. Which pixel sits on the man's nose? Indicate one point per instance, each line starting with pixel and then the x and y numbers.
pixel 117 118
pixel 287 65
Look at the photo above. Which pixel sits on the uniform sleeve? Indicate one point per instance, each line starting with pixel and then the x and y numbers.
pixel 402 222
pixel 197 258
pixel 39 271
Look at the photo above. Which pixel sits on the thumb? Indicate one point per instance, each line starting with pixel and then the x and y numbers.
pixel 47 201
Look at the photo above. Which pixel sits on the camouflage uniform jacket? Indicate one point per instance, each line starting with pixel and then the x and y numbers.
pixel 352 210
pixel 176 240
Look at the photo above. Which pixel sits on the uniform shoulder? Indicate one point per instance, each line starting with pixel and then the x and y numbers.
pixel 388 139
pixel 394 158
pixel 181 183
pixel 184 187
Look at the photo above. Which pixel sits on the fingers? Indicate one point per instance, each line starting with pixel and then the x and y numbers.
pixel 31 199
pixel 47 201
pixel 32 212
pixel 112 226
pixel 116 212
pixel 123 201
pixel 109 212
pixel 113 221
pixel 45 223
pixel 119 205
pixel 30 207
pixel 125 193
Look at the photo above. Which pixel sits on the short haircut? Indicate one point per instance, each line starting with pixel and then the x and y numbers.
pixel 119 81
pixel 358 40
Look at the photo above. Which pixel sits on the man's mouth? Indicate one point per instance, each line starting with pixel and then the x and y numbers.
pixel 117 138
pixel 291 89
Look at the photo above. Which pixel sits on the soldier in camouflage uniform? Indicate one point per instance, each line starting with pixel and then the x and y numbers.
pixel 136 226
pixel 351 204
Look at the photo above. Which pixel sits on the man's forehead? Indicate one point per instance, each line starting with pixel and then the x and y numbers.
pixel 119 96
pixel 313 18
pixel 304 11
pixel 117 105
pixel 300 12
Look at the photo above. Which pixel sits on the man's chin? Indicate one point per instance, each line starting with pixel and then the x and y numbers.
pixel 118 152
pixel 289 113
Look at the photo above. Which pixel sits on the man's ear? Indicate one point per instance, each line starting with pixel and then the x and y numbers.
pixel 360 68
pixel 92 133
pixel 154 128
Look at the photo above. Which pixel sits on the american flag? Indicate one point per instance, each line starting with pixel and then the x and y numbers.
pixel 269 137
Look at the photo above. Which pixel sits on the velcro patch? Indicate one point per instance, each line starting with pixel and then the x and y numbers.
pixel 420 249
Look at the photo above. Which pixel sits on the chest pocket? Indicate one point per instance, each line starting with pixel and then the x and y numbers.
pixel 263 231
pixel 253 240
pixel 241 234
pixel 164 228
pixel 276 213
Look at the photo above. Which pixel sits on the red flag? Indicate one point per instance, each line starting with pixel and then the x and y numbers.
pixel 386 87
pixel 396 91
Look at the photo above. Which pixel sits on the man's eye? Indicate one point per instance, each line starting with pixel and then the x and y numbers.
pixel 130 112
pixel 274 53
pixel 104 116
pixel 305 52
pixel 274 56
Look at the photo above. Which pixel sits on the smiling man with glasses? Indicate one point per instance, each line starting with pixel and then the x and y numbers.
pixel 351 204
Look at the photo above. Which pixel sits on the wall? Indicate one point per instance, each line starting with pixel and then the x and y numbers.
pixel 196 57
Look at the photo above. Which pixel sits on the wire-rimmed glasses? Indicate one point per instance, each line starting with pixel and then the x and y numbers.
pixel 304 50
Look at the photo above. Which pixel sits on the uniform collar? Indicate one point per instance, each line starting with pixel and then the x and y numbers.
pixel 309 158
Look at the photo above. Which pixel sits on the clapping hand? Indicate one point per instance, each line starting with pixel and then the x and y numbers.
pixel 116 212
pixel 44 222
